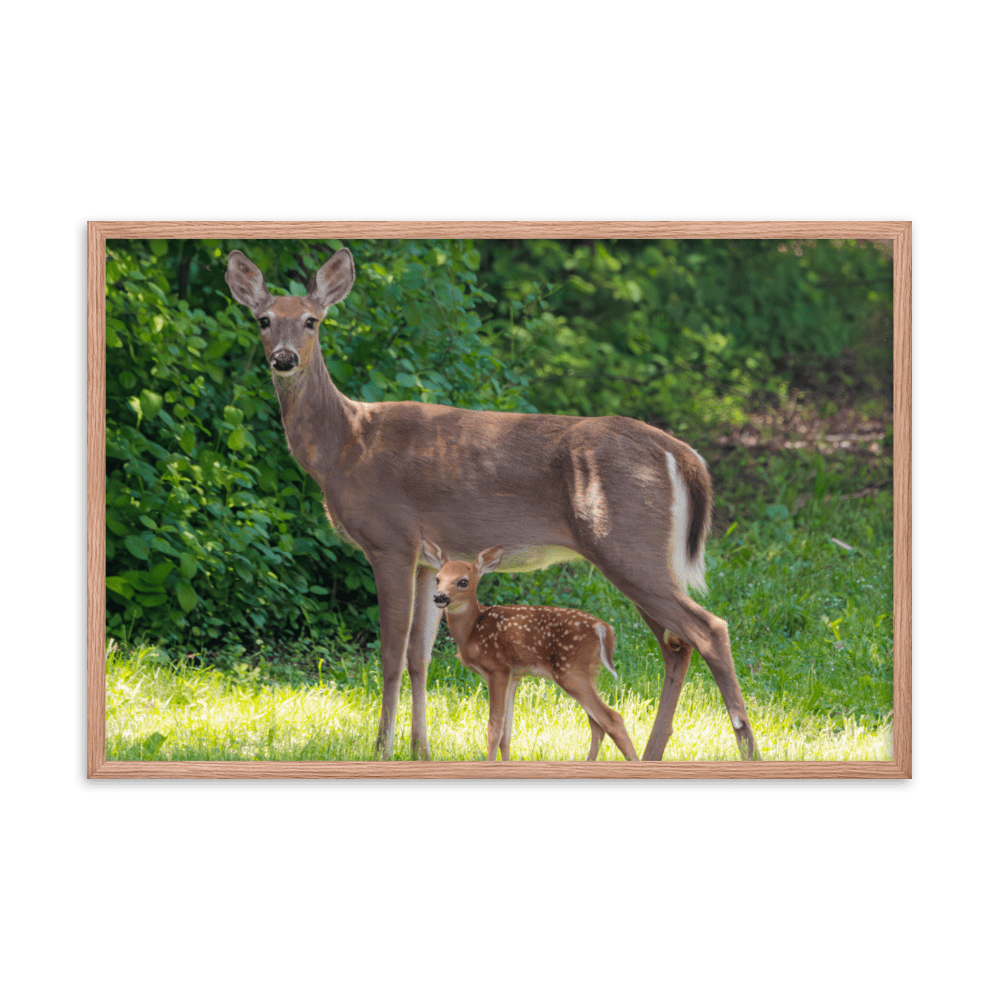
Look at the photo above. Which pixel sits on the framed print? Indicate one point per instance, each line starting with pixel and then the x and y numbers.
pixel 601 499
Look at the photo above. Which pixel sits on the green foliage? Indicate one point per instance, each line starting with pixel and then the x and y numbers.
pixel 684 333
pixel 217 539
pixel 215 535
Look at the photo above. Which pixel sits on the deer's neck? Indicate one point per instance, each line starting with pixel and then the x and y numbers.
pixel 462 623
pixel 316 414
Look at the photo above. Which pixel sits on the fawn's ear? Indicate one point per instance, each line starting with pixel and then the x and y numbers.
pixel 247 283
pixel 433 554
pixel 332 282
pixel 488 560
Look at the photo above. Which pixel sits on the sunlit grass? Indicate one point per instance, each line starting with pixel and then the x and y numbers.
pixel 811 629
pixel 161 711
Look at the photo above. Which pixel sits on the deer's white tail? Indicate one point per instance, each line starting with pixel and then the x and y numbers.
pixel 691 511
pixel 602 634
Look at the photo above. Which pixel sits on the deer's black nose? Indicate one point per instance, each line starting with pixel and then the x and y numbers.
pixel 441 599
pixel 284 361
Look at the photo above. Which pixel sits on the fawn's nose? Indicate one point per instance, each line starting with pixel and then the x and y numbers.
pixel 284 360
pixel 441 599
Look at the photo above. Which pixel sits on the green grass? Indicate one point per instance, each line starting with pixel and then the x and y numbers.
pixel 810 624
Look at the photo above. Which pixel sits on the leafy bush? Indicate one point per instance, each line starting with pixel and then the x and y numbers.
pixel 217 538
pixel 215 535
pixel 684 333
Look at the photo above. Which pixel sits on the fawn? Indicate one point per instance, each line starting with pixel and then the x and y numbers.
pixel 504 643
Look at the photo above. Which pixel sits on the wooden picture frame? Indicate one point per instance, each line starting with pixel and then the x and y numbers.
pixel 897 232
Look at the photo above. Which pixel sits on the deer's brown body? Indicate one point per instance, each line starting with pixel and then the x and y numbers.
pixel 505 642
pixel 629 498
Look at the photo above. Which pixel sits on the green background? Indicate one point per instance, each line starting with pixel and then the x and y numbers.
pixel 525 108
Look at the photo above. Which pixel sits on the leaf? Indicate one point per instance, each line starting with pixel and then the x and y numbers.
pixel 217 348
pixel 152 600
pixel 119 586
pixel 340 370
pixel 187 442
pixel 162 545
pixel 159 247
pixel 160 572
pixel 186 596
pixel 118 527
pixel 237 439
pixel 150 404
pixel 403 378
pixel 189 565
pixel 137 546
pixel 233 415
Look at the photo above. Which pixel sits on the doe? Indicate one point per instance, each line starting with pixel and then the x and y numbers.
pixel 505 642
pixel 627 497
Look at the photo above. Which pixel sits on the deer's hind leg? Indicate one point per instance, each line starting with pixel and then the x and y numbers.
pixel 676 660
pixel 638 564
pixel 672 615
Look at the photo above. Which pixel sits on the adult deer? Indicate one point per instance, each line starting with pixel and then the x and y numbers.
pixel 629 498
pixel 507 641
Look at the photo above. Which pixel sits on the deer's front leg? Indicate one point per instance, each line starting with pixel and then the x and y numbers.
pixel 394 580
pixel 423 632
pixel 498 683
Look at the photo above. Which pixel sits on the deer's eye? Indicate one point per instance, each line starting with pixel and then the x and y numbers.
pixel 311 323
pixel 463 583
pixel 265 322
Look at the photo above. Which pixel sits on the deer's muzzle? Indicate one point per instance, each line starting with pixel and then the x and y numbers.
pixel 284 360
pixel 441 599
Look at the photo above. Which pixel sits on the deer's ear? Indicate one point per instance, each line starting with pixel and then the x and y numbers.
pixel 488 560
pixel 433 554
pixel 247 283
pixel 332 282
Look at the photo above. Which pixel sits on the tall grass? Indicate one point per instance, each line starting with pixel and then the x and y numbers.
pixel 806 587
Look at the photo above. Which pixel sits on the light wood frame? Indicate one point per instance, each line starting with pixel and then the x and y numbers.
pixel 898 232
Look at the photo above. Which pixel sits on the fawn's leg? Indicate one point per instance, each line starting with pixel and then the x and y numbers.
pixel 498 684
pixel 582 688
pixel 596 738
pixel 508 724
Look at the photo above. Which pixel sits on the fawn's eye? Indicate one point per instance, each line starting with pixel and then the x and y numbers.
pixel 463 583
pixel 311 323
pixel 265 322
